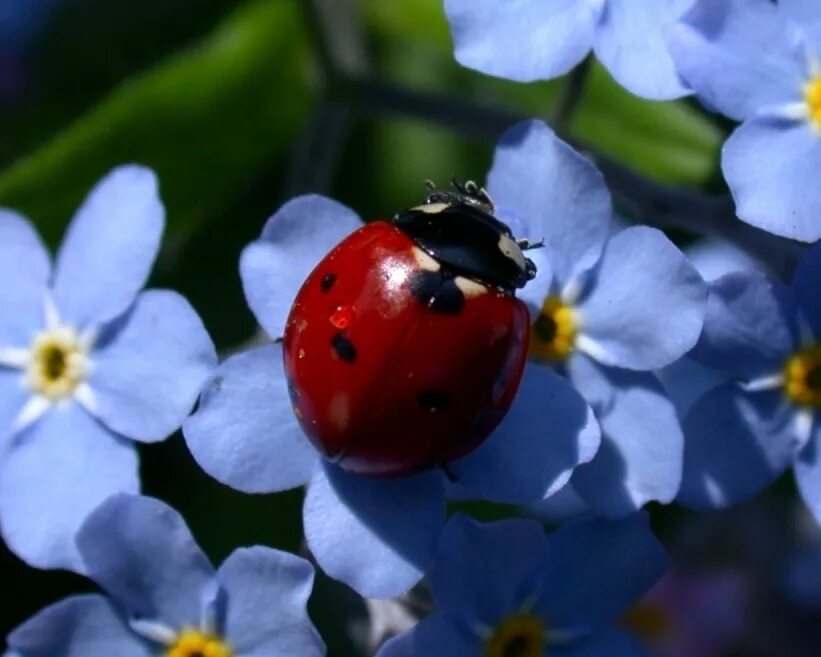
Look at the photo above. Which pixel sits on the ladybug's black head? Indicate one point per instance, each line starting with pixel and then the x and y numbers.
pixel 459 230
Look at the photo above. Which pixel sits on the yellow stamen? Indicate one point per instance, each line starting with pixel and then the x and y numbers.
pixel 194 643
pixel 812 96
pixel 521 635
pixel 802 377
pixel 554 331
pixel 58 363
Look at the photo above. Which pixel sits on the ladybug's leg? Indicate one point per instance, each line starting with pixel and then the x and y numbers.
pixel 526 245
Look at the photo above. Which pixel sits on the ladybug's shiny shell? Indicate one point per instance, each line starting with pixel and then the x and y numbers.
pixel 395 360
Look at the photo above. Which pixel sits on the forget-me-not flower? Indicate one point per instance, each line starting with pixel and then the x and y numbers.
pixel 375 534
pixel 608 311
pixel 530 40
pixel 163 596
pixel 741 435
pixel 88 364
pixel 505 589
pixel 759 63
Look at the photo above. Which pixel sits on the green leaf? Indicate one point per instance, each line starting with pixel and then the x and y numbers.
pixel 206 120
pixel 671 141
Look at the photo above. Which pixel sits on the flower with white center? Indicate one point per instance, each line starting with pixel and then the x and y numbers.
pixel 506 590
pixel 88 364
pixel 764 338
pixel 165 598
pixel 608 310
pixel 759 62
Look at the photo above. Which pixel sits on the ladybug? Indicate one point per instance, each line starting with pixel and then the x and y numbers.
pixel 406 344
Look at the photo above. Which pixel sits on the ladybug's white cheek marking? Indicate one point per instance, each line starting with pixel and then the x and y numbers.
pixel 425 261
pixel 431 208
pixel 469 288
pixel 339 411
pixel 511 250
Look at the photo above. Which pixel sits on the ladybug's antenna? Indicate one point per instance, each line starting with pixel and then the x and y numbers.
pixel 469 193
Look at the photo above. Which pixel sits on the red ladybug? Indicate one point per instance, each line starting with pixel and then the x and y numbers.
pixel 406 344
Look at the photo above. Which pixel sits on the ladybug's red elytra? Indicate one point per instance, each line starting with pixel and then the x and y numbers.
pixel 406 344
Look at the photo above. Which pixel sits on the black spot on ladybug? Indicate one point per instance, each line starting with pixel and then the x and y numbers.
pixel 545 328
pixel 433 400
pixel 343 347
pixel 327 282
pixel 438 291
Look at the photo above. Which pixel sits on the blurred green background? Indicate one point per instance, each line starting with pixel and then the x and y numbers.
pixel 238 106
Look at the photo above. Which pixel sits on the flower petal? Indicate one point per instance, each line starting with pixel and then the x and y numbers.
pixel 750 327
pixel 713 257
pixel 640 459
pixel 610 642
pixel 735 444
pixel 435 635
pixel 110 247
pixel 805 288
pixel 768 165
pixel 524 40
pixel 13 396
pixel 686 380
pixel 555 194
pixel 376 535
pixel 53 475
pixel 293 241
pixel 646 308
pixel 483 572
pixel 717 48
pixel 24 272
pixel 244 433
pixel 630 43
pixel 141 552
pixel 267 591
pixel 149 365
pixel 595 569
pixel 808 471
pixel 78 626
pixel 801 11
pixel 547 432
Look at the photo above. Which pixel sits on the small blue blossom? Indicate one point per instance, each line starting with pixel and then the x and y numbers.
pixel 87 364
pixel 765 338
pixel 507 589
pixel 607 310
pixel 531 40
pixel 770 160
pixel 375 534
pixel 163 596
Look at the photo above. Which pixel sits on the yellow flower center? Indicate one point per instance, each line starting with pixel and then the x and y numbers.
pixel 802 377
pixel 812 96
pixel 58 362
pixel 521 635
pixel 195 643
pixel 554 331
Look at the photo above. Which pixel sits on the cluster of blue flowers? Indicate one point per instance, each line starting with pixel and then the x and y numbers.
pixel 649 379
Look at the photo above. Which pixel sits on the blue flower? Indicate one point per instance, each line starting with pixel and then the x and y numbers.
pixel 507 589
pixel 765 338
pixel 531 40
pixel 608 310
pixel 770 160
pixel 375 534
pixel 164 596
pixel 87 364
